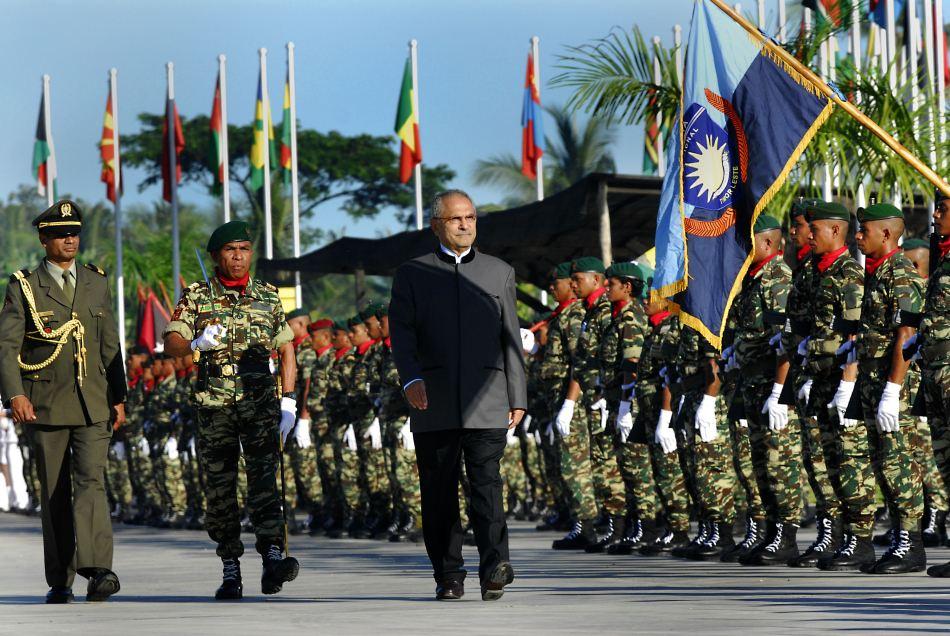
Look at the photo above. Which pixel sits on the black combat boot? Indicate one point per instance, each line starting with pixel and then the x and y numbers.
pixel 780 550
pixel 717 541
pixel 549 520
pixel 906 554
pixel 277 569
pixel 886 538
pixel 613 533
pixel 580 536
pixel 667 542
pixel 935 528
pixel 754 533
pixel 854 554
pixel 825 544
pixel 939 571
pixel 684 551
pixel 231 587
pixel 630 538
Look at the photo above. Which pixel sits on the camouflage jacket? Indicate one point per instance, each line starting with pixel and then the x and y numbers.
pixel 363 380
pixel 255 326
pixel 392 403
pixel 319 374
pixel 892 296
pixel 187 418
pixel 798 309
pixel 690 360
pixel 539 405
pixel 162 405
pixel 625 340
pixel 564 330
pixel 591 356
pixel 935 323
pixel 758 313
pixel 338 384
pixel 660 349
pixel 839 292
pixel 135 409
pixel 306 356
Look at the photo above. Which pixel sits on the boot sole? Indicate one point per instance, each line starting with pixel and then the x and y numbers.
pixel 108 586
pixel 841 568
pixel 229 596
pixel 285 572
pixel 495 588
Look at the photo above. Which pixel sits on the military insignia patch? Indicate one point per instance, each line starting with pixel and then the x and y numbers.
pixel 65 210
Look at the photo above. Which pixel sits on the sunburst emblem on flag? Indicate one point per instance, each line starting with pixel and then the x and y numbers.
pixel 709 168
pixel 708 174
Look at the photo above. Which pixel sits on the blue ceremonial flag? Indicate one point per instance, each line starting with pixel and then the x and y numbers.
pixel 744 120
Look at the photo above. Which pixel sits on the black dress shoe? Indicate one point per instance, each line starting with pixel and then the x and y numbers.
pixel 103 584
pixel 449 591
pixel 59 594
pixel 494 588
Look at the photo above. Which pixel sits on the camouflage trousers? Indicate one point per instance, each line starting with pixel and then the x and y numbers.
pixel 936 387
pixel 668 476
pixel 141 474
pixel 776 455
pixel 531 465
pixel 576 467
pixel 251 424
pixel 192 477
pixel 166 464
pixel 514 482
pixel 637 472
pixel 327 456
pixel 375 492
pixel 608 483
pixel 555 490
pixel 30 472
pixel 407 478
pixel 118 482
pixel 713 469
pixel 820 434
pixel 748 483
pixel 936 496
pixel 304 464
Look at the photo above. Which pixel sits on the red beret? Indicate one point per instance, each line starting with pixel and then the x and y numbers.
pixel 317 325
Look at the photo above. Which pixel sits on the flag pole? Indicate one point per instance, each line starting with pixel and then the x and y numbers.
pixel 891 38
pixel 781 21
pixel 47 122
pixel 226 186
pixel 761 8
pixel 793 63
pixel 173 177
pixel 678 44
pixel 941 77
pixel 417 170
pixel 119 268
pixel 536 60
pixel 658 80
pixel 294 194
pixel 265 105
pixel 929 73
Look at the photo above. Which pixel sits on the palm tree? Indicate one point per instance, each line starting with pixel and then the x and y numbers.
pixel 572 154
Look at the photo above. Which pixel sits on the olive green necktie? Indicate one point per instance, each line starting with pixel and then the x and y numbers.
pixel 68 287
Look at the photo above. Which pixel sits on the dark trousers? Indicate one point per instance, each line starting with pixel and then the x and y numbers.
pixel 77 530
pixel 439 455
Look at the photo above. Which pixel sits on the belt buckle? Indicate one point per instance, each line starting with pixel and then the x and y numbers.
pixel 227 370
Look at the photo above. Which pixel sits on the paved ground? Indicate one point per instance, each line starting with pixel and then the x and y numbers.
pixel 363 587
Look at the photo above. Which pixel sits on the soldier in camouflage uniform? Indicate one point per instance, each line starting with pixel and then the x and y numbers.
pixel 144 484
pixel 934 348
pixel 234 322
pixel 341 429
pixel 321 343
pixel 162 413
pixel 188 444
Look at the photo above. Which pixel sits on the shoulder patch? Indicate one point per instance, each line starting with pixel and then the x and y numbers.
pixel 95 268
pixel 268 287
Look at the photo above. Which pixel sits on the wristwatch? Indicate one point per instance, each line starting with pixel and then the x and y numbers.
pixel 290 394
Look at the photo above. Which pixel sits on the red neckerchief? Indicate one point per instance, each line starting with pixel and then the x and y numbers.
pixel 298 340
pixel 561 306
pixel 871 264
pixel 363 348
pixel 342 352
pixel 827 260
pixel 149 385
pixel 755 269
pixel 234 284
pixel 136 377
pixel 618 307
pixel 323 350
pixel 179 374
pixel 659 317
pixel 803 252
pixel 944 246
pixel 388 342
pixel 591 300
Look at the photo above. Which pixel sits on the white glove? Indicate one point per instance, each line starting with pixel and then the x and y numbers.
pixel 526 422
pixel 804 393
pixel 601 405
pixel 549 431
pixel 510 438
pixel 706 419
pixel 374 434
pixel 803 349
pixel 778 413
pixel 210 338
pixel 910 342
pixel 847 348
pixel 665 436
pixel 405 435
pixel 624 421
pixel 288 414
pixel 564 417
pixel 537 437
pixel 119 448
pixel 889 409
pixel 840 402
pixel 777 345
pixel 171 448
pixel 191 447
pixel 922 419
pixel 143 446
pixel 302 434
pixel 743 423
pixel 349 438
pixel 679 406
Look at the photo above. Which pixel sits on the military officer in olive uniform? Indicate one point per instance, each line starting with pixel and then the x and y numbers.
pixel 61 373
pixel 233 327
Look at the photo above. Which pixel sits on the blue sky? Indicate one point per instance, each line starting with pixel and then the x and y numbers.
pixel 349 55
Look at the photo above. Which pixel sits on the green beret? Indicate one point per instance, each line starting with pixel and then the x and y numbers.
pixel 563 270
pixel 818 210
pixel 297 313
pixel 624 270
pixel 340 325
pixel 916 244
pixel 766 223
pixel 879 212
pixel 63 218
pixel 372 310
pixel 798 208
pixel 230 231
pixel 587 264
pixel 382 310
pixel 355 320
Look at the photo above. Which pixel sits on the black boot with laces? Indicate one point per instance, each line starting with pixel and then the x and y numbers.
pixel 613 533
pixel 580 536
pixel 854 554
pixel 825 544
pixel 906 554
pixel 754 533
pixel 718 540
pixel 630 539
pixel 780 549
pixel 277 569
pixel 231 587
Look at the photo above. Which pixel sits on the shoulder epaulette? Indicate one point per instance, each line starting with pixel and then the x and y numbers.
pixel 268 287
pixel 95 268
pixel 195 286
pixel 20 274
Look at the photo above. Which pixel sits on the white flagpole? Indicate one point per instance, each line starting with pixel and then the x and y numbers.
pixel 658 79
pixel 294 194
pixel 929 73
pixel 265 103
pixel 781 21
pixel 860 196
pixel 119 268
pixel 762 15
pixel 891 54
pixel 51 160
pixel 226 186
pixel 941 79
pixel 678 45
pixel 536 58
pixel 172 175
pixel 417 170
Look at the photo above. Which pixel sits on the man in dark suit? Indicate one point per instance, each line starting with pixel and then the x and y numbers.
pixel 61 374
pixel 457 347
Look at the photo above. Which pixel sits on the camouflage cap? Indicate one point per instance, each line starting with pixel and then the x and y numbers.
pixel 297 313
pixel 624 270
pixel 915 244
pixel 63 218
pixel 587 264
pixel 230 231
pixel 818 210
pixel 563 270
pixel 879 212
pixel 766 223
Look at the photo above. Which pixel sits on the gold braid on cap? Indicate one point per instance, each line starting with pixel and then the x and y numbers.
pixel 59 336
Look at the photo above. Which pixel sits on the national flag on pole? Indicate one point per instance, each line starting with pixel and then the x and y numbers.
pixel 171 108
pixel 261 110
pixel 746 120
pixel 285 125
pixel 407 126
pixel 832 11
pixel 153 318
pixel 216 160
pixel 107 150
pixel 44 158
pixel 532 129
